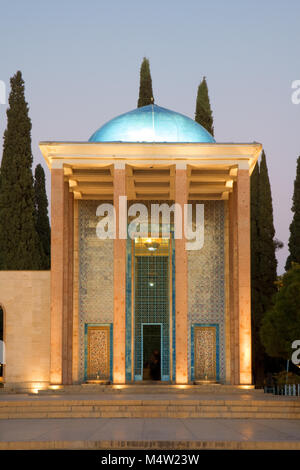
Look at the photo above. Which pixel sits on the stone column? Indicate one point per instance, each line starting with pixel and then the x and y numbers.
pixel 244 275
pixel 57 274
pixel 240 281
pixel 119 283
pixel 61 279
pixel 67 322
pixel 181 300
pixel 233 288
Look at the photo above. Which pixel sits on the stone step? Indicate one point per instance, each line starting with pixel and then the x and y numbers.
pixel 145 415
pixel 142 388
pixel 150 409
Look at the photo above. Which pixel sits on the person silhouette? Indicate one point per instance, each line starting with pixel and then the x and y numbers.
pixel 155 365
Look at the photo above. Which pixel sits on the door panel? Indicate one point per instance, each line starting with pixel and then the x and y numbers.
pixel 98 352
pixel 205 352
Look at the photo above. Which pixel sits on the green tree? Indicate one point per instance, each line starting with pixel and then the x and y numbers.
pixel 267 243
pixel 203 114
pixel 146 92
pixel 263 263
pixel 258 354
pixel 42 219
pixel 294 240
pixel 19 241
pixel 281 323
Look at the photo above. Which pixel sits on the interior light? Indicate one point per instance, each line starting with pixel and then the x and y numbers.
pixel 151 245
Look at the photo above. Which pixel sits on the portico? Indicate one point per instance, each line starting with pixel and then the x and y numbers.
pixel 95 284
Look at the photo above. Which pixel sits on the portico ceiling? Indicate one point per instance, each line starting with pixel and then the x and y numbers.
pixel 150 169
pixel 152 182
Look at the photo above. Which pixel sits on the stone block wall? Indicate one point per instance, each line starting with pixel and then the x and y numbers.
pixel 25 299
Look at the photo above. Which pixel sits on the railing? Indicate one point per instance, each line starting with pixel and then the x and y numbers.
pixel 292 390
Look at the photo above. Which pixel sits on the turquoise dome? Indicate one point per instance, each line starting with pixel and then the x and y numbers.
pixel 152 124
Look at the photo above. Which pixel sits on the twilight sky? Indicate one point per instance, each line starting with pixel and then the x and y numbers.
pixel 80 61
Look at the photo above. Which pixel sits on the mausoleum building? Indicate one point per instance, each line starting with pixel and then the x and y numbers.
pixel 143 305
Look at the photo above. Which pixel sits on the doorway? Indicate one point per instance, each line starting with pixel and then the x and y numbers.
pixel 151 351
pixel 151 309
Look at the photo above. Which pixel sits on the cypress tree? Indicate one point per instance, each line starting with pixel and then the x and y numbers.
pixel 19 241
pixel 258 355
pixel 146 92
pixel 267 244
pixel 263 263
pixel 42 219
pixel 294 240
pixel 203 114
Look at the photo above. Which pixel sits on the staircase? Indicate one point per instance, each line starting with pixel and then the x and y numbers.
pixel 156 407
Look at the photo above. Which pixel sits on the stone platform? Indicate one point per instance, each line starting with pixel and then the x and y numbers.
pixel 149 403
pixel 149 434
pixel 119 419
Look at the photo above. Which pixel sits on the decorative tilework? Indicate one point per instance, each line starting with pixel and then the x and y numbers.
pixel 98 352
pixel 206 281
pixel 129 306
pixel 206 293
pixel 98 347
pixel 173 311
pixel 152 306
pixel 205 352
pixel 129 285
pixel 95 275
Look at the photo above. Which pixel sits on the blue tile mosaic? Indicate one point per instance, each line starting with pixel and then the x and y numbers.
pixel 95 276
pixel 129 306
pixel 206 281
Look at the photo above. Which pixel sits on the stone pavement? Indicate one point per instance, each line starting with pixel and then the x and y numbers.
pixel 148 432
pixel 116 433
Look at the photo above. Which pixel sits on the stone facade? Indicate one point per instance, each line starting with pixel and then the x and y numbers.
pixel 206 282
pixel 25 299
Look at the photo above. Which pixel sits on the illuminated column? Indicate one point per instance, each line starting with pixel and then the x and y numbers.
pixel 181 284
pixel 119 281
pixel 244 270
pixel 61 280
pixel 234 288
pixel 67 319
pixel 57 274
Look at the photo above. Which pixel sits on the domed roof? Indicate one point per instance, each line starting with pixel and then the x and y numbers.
pixel 152 124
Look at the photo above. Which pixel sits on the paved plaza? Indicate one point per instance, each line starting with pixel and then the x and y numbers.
pixel 141 433
pixel 163 433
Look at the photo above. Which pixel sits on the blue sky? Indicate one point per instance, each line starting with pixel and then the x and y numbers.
pixel 80 62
